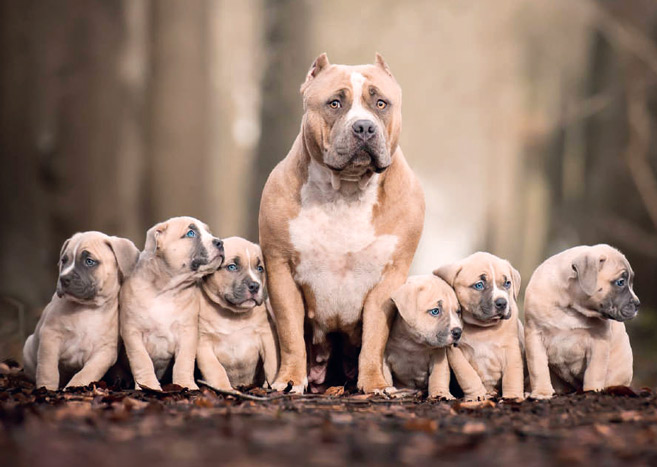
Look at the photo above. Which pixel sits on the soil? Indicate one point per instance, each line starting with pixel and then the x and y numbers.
pixel 100 426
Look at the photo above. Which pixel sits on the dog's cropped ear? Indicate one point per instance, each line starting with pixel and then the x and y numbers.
pixel 381 63
pixel 448 272
pixel 515 281
pixel 586 267
pixel 154 238
pixel 318 65
pixel 126 254
pixel 405 299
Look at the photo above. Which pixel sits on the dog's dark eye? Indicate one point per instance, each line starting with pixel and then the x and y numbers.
pixel 459 312
pixel 620 282
pixel 507 285
pixel 260 269
pixel 434 311
pixel 478 285
pixel 335 104
pixel 190 233
pixel 232 267
pixel 64 260
pixel 381 104
pixel 90 262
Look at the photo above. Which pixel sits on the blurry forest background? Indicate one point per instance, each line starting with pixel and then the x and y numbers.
pixel 530 125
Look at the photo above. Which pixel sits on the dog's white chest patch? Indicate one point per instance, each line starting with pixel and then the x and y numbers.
pixel 340 256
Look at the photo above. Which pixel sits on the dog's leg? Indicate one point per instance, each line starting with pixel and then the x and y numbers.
pixel 47 371
pixel 537 364
pixel 141 364
pixel 95 368
pixel 597 364
pixel 377 317
pixel 467 377
pixel 269 355
pixel 287 304
pixel 183 365
pixel 439 375
pixel 513 376
pixel 211 368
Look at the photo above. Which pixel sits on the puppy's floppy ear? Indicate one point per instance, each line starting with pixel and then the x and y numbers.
pixel 154 237
pixel 405 299
pixel 448 272
pixel 126 254
pixel 318 65
pixel 64 247
pixel 381 63
pixel 515 281
pixel 586 267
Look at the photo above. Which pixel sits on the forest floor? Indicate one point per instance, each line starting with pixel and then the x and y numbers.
pixel 98 426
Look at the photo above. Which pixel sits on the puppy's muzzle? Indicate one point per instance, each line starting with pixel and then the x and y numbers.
pixel 502 308
pixel 456 335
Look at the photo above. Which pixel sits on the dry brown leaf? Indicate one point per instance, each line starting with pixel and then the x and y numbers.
pixel 335 391
pixel 468 405
pixel 421 424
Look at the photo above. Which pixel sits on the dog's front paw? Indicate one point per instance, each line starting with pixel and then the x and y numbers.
pixel 371 385
pixel 442 396
pixel 289 386
pixel 513 396
pixel 476 396
pixel 541 395
pixel 153 385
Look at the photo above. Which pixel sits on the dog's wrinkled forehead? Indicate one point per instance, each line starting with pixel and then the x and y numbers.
pixel 82 246
pixel 485 267
pixel 436 292
pixel 353 84
pixel 244 253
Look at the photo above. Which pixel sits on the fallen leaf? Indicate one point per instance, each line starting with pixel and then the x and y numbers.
pixel 421 424
pixel 334 391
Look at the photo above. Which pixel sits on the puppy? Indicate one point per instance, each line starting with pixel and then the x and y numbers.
pixel 489 355
pixel 236 335
pixel 575 305
pixel 77 336
pixel 428 320
pixel 160 300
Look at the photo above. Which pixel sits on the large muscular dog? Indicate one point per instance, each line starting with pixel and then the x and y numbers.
pixel 340 219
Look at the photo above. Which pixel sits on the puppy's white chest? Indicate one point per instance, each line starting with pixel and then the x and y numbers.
pixel 340 257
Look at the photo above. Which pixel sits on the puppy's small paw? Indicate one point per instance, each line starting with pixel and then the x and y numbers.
pixel 442 396
pixel 514 397
pixel 476 396
pixel 289 387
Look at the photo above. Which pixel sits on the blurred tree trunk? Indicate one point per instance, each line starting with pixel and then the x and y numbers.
pixel 287 59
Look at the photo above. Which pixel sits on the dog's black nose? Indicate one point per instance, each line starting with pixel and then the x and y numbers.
pixel 637 303
pixel 65 281
pixel 364 129
pixel 253 286
pixel 218 243
pixel 500 303
pixel 456 333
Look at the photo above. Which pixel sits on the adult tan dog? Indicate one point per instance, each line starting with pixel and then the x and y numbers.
pixel 340 219
pixel 237 340
pixel 76 339
pixel 160 301
pixel 489 355
pixel 427 322
pixel 575 305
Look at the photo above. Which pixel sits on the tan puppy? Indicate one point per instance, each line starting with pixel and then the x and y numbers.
pixel 574 307
pixel 489 355
pixel 160 301
pixel 78 332
pixel 236 335
pixel 427 322
pixel 340 219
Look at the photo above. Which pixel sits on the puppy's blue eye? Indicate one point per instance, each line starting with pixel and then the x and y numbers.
pixel 507 285
pixel 261 269
pixel 90 262
pixel 190 233
pixel 232 267
pixel 620 282
pixel 434 311
pixel 479 285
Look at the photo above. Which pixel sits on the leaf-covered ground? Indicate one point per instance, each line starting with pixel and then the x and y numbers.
pixel 98 426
